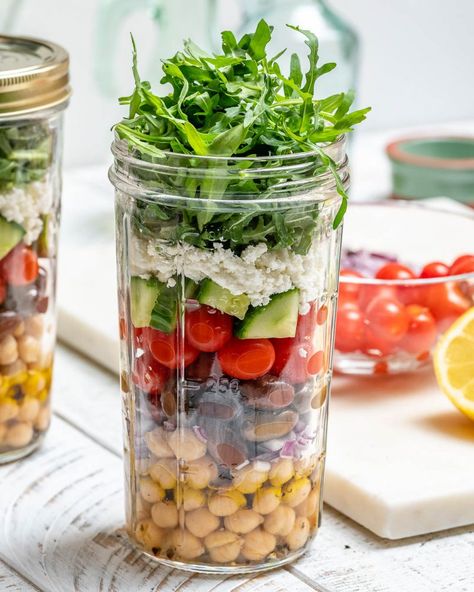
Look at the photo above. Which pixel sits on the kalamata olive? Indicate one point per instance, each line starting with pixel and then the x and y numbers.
pixel 42 304
pixel 219 406
pixel 225 444
pixel 267 392
pixel 265 426
pixel 168 398
pixel 8 321
pixel 153 402
pixel 22 299
pixel 202 368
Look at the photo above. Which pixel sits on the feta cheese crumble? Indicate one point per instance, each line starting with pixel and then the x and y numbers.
pixel 257 272
pixel 25 205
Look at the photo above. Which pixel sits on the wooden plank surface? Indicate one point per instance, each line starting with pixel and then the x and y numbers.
pixel 62 520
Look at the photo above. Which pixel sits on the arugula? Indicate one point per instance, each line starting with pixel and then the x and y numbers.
pixel 25 154
pixel 236 104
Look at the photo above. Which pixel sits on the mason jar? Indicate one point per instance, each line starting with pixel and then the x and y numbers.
pixel 34 91
pixel 228 273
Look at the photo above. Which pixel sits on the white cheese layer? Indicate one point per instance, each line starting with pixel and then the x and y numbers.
pixel 25 205
pixel 257 272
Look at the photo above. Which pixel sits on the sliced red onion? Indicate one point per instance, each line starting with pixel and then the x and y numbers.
pixel 365 262
pixel 200 433
pixel 288 450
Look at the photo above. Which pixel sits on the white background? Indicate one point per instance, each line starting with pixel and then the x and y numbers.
pixel 417 63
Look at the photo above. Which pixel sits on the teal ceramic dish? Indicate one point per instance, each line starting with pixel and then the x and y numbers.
pixel 432 167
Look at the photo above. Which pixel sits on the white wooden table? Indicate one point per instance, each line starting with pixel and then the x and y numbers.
pixel 61 520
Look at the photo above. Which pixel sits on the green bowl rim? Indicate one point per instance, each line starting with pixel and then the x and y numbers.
pixel 396 153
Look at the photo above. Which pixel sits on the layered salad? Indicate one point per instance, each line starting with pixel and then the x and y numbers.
pixel 27 241
pixel 228 265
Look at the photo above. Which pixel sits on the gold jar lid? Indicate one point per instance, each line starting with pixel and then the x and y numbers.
pixel 34 75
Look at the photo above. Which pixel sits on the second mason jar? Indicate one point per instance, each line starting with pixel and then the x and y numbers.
pixel 34 91
pixel 227 339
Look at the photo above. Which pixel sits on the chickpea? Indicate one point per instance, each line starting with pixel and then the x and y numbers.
pixel 200 472
pixel 281 472
pixel 226 503
pixel 186 445
pixel 299 534
pixel 250 478
pixel 29 349
pixel 19 329
pixel 29 409
pixel 258 544
pixel 165 472
pixel 266 499
pixel 151 491
pixel 148 534
pixel 8 410
pixel 190 499
pixel 310 505
pixel 165 514
pixel 18 435
pixel 15 368
pixel 8 350
pixel 201 522
pixel 305 466
pixel 142 509
pixel 280 521
pixel 296 491
pixel 34 326
pixel 243 521
pixel 3 431
pixel 43 419
pixel 34 383
pixel 223 546
pixel 157 443
pixel 186 545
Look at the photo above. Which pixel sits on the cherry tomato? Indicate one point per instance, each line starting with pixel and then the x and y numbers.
pixel 422 331
pixel 150 376
pixel 395 271
pixel 463 264
pixel 139 335
pixel 306 324
pixel 376 346
pixel 246 358
pixel 20 267
pixel 349 328
pixel 291 360
pixel 434 269
pixel 387 319
pixel 349 291
pixel 208 329
pixel 446 302
pixel 165 349
pixel 370 293
pixel 3 291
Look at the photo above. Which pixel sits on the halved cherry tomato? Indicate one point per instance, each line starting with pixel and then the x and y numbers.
pixel 291 360
pixel 20 267
pixel 463 264
pixel 139 334
pixel 349 291
pixel 165 349
pixel 246 359
pixel 3 291
pixel 387 319
pixel 446 302
pixel 349 328
pixel 395 271
pixel 207 329
pixel 422 331
pixel 150 376
pixel 434 269
pixel 306 324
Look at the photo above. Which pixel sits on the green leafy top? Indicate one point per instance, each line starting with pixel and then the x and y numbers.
pixel 237 104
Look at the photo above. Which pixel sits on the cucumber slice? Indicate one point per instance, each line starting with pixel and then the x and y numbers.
pixel 222 299
pixel 164 315
pixel 143 296
pixel 11 234
pixel 277 319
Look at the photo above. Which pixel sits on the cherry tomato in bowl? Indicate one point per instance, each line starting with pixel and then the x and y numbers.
pixel 434 269
pixel 395 271
pixel 422 331
pixel 349 328
pixel 246 359
pixel 387 319
pixel 463 264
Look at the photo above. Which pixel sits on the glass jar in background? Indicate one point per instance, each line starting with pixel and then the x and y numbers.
pixel 226 353
pixel 338 41
pixel 34 91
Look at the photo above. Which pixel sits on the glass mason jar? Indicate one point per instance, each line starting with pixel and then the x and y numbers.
pixel 34 90
pixel 228 273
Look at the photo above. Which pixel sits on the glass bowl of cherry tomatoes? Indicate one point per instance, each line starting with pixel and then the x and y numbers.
pixel 407 273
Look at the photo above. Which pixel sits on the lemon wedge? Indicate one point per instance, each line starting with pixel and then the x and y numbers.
pixel 454 363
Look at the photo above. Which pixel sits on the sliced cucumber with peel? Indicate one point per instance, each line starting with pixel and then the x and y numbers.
pixel 11 234
pixel 277 319
pixel 222 299
pixel 143 296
